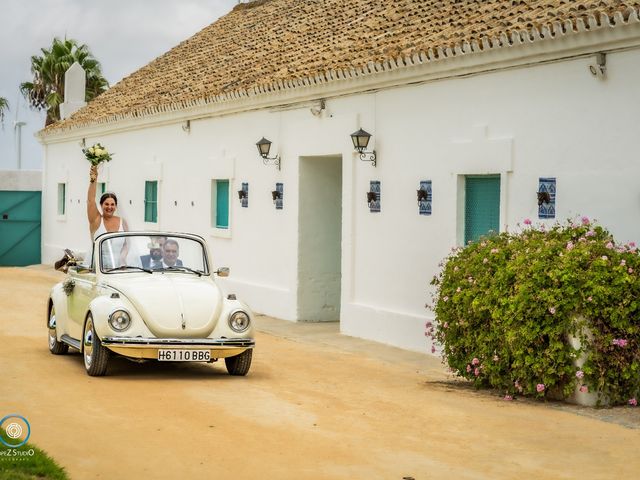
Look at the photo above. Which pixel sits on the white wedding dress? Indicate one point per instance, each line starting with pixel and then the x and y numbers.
pixel 111 249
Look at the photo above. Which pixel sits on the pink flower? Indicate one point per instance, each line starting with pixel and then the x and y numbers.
pixel 433 349
pixel 584 389
pixel 475 361
pixel 570 245
pixel 590 233
pixel 609 245
pixel 579 374
pixel 445 298
pixel 508 398
pixel 446 325
pixel 582 239
pixel 633 402
pixel 604 257
pixel 494 250
pixel 468 368
pixel 632 244
pixel 527 221
pixel 623 263
pixel 620 342
pixel 590 299
pixel 630 270
pixel 476 371
pixel 585 220
pixel 540 387
pixel 552 310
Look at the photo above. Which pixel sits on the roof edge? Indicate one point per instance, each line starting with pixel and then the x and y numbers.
pixel 550 31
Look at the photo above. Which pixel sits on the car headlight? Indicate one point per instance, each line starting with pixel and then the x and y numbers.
pixel 239 321
pixel 120 320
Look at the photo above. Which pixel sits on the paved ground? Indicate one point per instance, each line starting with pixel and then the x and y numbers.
pixel 315 405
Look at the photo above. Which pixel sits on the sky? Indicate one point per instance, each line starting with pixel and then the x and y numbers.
pixel 123 35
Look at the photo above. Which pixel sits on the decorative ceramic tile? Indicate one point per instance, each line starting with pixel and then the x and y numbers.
pixel 374 204
pixel 425 205
pixel 279 204
pixel 547 185
pixel 245 200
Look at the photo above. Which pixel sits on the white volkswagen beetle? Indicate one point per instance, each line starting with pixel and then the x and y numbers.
pixel 149 296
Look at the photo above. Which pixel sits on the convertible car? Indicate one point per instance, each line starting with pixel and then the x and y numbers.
pixel 149 296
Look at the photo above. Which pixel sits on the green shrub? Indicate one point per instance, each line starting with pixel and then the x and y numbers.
pixel 505 305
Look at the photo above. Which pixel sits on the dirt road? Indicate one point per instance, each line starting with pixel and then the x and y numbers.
pixel 320 407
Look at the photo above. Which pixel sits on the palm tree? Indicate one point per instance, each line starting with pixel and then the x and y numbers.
pixel 4 105
pixel 46 91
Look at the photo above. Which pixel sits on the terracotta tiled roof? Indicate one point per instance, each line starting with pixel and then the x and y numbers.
pixel 272 44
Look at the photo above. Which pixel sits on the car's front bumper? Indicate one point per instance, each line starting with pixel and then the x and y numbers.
pixel 137 347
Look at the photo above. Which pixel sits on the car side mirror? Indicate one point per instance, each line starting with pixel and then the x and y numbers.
pixel 223 272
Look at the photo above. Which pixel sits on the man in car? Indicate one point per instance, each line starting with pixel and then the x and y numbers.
pixel 154 259
pixel 170 252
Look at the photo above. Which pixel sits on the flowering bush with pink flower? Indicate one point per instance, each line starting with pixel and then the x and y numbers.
pixel 508 328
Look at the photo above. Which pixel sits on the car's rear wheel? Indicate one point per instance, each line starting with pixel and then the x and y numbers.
pixel 96 357
pixel 55 347
pixel 239 364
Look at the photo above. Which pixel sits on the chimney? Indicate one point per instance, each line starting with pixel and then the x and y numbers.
pixel 75 81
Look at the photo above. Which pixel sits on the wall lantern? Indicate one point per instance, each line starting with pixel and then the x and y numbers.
pixel 371 197
pixel 543 197
pixel 276 195
pixel 422 195
pixel 264 146
pixel 360 141
pixel 242 194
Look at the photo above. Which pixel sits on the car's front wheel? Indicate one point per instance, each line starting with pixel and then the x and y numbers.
pixel 96 357
pixel 239 364
pixel 55 347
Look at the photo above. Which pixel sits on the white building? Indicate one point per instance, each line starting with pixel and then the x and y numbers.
pixel 490 102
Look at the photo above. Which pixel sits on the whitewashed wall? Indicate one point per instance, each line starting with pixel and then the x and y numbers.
pixel 21 180
pixel 548 120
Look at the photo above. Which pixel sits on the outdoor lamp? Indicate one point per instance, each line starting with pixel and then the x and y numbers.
pixel 543 197
pixel 264 146
pixel 242 194
pixel 360 141
pixel 422 195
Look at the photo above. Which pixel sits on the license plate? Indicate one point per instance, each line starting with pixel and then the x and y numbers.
pixel 184 355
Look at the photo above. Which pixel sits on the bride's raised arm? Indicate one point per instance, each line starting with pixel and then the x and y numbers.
pixel 93 214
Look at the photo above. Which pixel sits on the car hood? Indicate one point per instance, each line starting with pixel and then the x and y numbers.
pixel 173 305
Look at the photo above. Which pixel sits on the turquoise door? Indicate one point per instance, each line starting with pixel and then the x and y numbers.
pixel 482 206
pixel 19 228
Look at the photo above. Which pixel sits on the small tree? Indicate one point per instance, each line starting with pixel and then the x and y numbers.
pixel 46 90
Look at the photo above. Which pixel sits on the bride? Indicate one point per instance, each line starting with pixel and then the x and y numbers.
pixel 114 252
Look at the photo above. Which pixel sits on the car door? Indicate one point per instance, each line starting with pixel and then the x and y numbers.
pixel 78 302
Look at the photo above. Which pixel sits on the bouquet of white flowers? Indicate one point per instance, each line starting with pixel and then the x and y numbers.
pixel 96 154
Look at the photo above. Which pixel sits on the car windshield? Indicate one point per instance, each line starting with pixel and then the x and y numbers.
pixel 152 253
